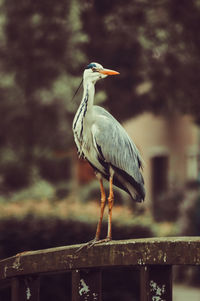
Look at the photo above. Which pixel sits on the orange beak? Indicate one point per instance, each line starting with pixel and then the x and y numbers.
pixel 108 72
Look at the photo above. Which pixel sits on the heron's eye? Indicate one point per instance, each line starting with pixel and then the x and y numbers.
pixel 94 69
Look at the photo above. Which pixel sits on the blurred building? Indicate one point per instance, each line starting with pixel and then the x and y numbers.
pixel 169 147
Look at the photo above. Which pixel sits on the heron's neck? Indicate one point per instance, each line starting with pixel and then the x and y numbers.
pixel 84 113
pixel 88 97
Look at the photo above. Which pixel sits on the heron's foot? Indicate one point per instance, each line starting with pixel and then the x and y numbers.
pixel 93 242
pixel 96 242
pixel 88 244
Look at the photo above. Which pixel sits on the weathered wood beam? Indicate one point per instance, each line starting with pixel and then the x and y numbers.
pixel 138 252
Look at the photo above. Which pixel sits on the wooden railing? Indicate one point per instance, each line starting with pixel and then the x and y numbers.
pixel 154 257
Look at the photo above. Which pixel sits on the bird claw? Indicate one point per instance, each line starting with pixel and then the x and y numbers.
pixel 87 245
pixel 96 242
pixel 93 242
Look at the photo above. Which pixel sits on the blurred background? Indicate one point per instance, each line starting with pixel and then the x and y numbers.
pixel 48 197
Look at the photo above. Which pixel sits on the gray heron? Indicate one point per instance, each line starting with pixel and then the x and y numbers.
pixel 105 144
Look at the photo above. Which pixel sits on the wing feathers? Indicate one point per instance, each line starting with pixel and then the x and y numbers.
pixel 114 147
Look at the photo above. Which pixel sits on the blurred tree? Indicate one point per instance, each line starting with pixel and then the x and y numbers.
pixel 38 66
pixel 155 45
pixel 36 40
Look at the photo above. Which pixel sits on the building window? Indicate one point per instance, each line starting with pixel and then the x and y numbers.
pixel 159 167
pixel 159 175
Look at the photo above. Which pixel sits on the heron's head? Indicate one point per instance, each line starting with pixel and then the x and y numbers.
pixel 94 71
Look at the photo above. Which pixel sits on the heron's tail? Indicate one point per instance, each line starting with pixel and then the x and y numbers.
pixel 127 183
pixel 138 195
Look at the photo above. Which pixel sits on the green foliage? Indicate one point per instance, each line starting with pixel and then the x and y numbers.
pixel 36 41
pixel 39 74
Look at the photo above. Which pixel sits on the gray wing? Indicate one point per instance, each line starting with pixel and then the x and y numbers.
pixel 114 145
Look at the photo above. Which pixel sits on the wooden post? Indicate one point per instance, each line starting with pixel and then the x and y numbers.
pixel 156 283
pixel 86 285
pixel 25 289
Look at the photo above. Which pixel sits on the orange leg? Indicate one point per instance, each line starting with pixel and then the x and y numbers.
pixel 110 206
pixel 97 240
pixel 103 203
